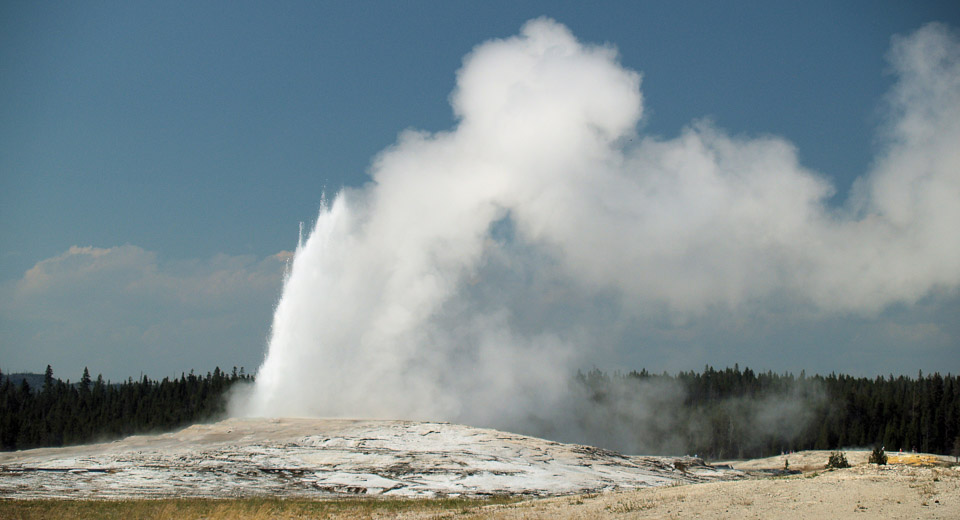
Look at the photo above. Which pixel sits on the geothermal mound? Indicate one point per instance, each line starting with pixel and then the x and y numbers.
pixel 334 457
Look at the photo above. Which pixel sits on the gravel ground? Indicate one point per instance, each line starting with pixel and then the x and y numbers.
pixel 862 491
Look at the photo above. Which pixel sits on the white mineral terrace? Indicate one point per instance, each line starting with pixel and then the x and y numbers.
pixel 334 457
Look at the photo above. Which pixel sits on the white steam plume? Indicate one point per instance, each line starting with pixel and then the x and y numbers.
pixel 473 272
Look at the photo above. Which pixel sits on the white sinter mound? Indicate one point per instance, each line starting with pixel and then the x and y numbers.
pixel 328 457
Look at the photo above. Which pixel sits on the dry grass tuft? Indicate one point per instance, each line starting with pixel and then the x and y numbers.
pixel 246 508
pixel 913 460
pixel 632 505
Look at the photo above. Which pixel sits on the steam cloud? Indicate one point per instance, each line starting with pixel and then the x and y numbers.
pixel 480 265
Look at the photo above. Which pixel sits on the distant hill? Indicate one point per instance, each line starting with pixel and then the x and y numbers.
pixel 34 380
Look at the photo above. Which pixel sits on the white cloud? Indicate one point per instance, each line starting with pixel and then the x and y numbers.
pixel 120 309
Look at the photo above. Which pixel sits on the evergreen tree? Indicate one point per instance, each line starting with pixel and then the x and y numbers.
pixel 48 379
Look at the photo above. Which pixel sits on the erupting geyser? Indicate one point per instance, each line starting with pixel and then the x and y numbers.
pixel 467 279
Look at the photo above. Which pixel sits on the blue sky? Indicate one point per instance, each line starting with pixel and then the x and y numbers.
pixel 184 142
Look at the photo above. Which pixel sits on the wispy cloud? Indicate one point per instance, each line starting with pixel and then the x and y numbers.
pixel 121 307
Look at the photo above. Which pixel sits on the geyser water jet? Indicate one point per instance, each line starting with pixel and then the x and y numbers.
pixel 481 265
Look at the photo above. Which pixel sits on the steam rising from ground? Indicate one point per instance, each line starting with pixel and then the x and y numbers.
pixel 480 265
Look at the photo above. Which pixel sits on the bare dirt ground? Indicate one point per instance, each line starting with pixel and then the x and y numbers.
pixel 864 491
pixel 912 486
pixel 914 493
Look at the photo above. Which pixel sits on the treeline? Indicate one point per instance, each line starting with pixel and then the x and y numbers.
pixel 743 414
pixel 716 414
pixel 60 413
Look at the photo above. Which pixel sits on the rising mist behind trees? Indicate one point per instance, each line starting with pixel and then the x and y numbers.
pixel 730 413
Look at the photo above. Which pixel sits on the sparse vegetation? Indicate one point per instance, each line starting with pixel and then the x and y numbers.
pixel 877 456
pixel 632 505
pixel 837 460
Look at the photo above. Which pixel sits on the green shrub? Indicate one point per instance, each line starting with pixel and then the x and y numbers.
pixel 837 460
pixel 878 457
